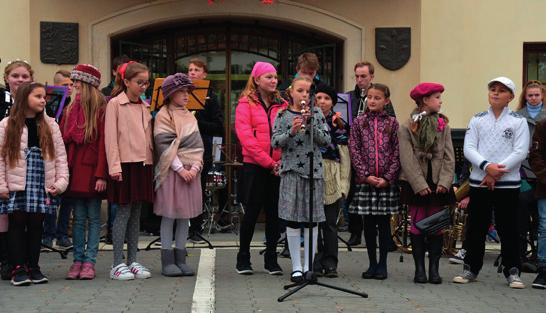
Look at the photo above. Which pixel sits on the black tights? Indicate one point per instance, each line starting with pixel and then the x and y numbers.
pixel 25 236
pixel 374 224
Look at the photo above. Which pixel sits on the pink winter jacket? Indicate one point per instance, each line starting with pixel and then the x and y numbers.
pixel 56 171
pixel 254 126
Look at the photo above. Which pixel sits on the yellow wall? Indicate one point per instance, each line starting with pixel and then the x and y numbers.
pixel 465 43
pixel 14 17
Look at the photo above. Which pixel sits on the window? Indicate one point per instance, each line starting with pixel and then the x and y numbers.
pixel 534 62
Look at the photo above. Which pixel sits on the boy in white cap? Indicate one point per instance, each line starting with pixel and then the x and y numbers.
pixel 496 142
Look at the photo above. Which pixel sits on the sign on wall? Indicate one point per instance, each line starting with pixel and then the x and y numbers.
pixel 393 46
pixel 59 43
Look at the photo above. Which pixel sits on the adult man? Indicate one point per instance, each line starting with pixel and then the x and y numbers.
pixel 211 123
pixel 364 75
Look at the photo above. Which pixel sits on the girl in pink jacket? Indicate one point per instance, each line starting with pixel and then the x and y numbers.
pixel 254 120
pixel 33 172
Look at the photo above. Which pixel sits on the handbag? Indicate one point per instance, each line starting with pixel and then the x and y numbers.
pixel 435 222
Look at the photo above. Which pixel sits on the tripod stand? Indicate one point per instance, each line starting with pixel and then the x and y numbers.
pixel 310 278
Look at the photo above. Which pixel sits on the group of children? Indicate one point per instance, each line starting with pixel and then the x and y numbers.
pixel 107 150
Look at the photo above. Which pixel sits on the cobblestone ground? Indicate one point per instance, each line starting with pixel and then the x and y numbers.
pixel 259 292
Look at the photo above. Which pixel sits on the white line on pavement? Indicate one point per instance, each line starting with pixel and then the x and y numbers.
pixel 204 292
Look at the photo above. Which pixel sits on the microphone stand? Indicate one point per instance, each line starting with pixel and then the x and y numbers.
pixel 309 277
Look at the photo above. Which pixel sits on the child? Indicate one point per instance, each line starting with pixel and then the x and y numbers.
pixel 537 159
pixel 177 174
pixel 373 147
pixel 29 186
pixel 15 73
pixel 129 151
pixel 496 142
pixel 83 133
pixel 428 167
pixel 294 140
pixel 336 166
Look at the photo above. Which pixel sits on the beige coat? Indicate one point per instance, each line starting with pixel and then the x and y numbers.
pixel 56 171
pixel 128 133
pixel 415 161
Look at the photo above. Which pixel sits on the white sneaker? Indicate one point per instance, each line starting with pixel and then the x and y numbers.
pixel 139 271
pixel 514 281
pixel 121 272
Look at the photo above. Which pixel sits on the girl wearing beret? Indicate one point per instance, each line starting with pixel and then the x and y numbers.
pixel 428 166
pixel 177 174
pixel 82 127
pixel 373 145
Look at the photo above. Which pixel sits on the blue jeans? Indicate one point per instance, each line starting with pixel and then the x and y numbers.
pixel 541 233
pixel 86 210
pixel 58 229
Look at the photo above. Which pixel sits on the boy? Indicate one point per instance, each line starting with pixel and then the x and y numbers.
pixel 496 142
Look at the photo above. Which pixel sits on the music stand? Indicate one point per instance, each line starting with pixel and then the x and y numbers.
pixel 310 278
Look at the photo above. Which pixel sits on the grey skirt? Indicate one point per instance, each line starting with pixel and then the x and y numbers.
pixel 294 198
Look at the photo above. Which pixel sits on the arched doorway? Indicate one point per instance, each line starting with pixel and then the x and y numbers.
pixel 230 49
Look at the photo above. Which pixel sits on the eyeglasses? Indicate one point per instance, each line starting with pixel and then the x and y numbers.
pixel 142 83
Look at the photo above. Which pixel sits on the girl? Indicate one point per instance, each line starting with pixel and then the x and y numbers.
pixel 296 145
pixel 254 119
pixel 336 165
pixel 83 133
pixel 428 166
pixel 33 172
pixel 15 73
pixel 129 151
pixel 532 109
pixel 373 146
pixel 177 173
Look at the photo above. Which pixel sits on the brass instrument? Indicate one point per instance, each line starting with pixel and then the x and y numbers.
pixel 456 231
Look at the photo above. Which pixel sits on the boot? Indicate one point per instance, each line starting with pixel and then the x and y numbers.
pixel 372 256
pixel 180 261
pixel 168 268
pixel 418 251
pixel 435 245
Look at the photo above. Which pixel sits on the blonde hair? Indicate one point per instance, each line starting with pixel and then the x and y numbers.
pixel 15 64
pixel 529 84
pixel 250 92
pixel 93 105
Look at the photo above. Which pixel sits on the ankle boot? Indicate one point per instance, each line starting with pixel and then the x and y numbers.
pixel 168 268
pixel 435 245
pixel 180 261
pixel 418 251
pixel 372 256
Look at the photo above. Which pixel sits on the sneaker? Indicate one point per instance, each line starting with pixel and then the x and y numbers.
pixel 466 276
pixel 64 243
pixel 47 244
pixel 121 272
pixel 196 239
pixel 20 277
pixel 273 269
pixel 458 258
pixel 514 281
pixel 244 269
pixel 74 271
pixel 140 271
pixel 330 272
pixel 87 271
pixel 36 276
pixel 540 280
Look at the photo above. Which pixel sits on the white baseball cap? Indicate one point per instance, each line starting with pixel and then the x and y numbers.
pixel 505 81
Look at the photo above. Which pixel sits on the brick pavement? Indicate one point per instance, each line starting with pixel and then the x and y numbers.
pixel 259 292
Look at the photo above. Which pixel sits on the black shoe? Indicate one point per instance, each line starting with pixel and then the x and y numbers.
pixel 540 280
pixel 298 279
pixel 370 273
pixel 108 239
pixel 355 240
pixel 20 276
pixel 243 266
pixel 380 273
pixel 64 243
pixel 195 238
pixel 36 276
pixel 330 272
pixel 270 263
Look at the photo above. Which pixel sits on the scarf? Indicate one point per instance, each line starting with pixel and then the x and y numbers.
pixel 176 135
pixel 74 128
pixel 426 127
pixel 533 110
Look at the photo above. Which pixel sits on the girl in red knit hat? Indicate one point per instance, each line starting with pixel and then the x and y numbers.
pixel 82 127
pixel 428 166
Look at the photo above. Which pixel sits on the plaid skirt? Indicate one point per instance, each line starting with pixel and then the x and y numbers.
pixel 369 200
pixel 294 198
pixel 34 198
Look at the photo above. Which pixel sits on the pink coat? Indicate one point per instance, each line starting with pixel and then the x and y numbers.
pixel 254 126
pixel 56 171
